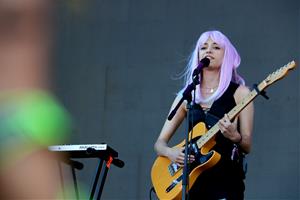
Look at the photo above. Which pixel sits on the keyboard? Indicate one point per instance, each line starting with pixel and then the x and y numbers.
pixel 102 151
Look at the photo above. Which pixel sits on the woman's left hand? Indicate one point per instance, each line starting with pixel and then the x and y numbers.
pixel 229 129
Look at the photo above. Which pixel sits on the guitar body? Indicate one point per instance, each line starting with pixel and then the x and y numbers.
pixel 167 178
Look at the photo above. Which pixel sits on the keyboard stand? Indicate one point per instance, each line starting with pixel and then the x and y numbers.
pixel 103 177
pixel 106 158
pixel 73 165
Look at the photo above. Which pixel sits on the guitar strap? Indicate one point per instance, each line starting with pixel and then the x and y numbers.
pixel 262 93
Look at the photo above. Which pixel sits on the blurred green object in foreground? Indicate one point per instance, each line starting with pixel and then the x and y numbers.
pixel 33 115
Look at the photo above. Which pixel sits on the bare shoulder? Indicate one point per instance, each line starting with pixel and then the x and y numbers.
pixel 241 92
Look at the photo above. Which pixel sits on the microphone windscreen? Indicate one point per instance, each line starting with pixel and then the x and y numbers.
pixel 205 61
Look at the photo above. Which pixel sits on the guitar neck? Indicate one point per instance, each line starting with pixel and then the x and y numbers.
pixel 275 76
pixel 232 114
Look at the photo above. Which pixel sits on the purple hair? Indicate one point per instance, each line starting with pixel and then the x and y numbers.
pixel 228 72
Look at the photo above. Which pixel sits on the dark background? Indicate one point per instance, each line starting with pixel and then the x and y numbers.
pixel 115 66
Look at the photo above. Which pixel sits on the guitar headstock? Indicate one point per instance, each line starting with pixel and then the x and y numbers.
pixel 278 74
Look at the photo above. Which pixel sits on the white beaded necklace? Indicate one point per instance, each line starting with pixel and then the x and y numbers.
pixel 209 90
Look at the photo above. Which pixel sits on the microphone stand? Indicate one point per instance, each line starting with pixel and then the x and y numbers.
pixel 187 95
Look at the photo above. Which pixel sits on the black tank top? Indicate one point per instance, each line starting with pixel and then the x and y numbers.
pixel 218 109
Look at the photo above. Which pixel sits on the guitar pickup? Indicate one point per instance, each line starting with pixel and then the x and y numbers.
pixel 173 168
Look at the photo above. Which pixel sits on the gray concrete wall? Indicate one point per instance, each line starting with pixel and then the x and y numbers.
pixel 116 60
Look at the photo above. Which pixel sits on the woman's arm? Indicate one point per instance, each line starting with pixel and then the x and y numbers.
pixel 168 130
pixel 244 136
pixel 246 120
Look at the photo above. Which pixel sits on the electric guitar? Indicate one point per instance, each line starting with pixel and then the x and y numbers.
pixel 167 176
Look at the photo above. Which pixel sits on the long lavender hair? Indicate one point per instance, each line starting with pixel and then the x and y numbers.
pixel 228 72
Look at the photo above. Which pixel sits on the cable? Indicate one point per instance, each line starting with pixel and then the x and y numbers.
pixel 150 192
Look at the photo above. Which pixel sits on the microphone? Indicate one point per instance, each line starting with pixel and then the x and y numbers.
pixel 187 91
pixel 203 63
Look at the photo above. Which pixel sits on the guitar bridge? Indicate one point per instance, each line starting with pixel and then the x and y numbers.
pixel 174 183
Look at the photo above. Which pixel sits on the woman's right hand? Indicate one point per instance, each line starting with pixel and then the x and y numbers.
pixel 176 155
